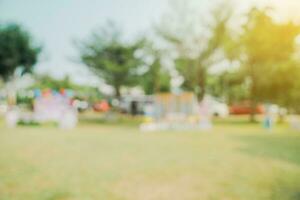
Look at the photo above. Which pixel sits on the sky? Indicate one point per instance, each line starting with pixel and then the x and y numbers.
pixel 57 23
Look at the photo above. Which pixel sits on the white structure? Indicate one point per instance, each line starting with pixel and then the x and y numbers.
pixel 12 118
pixel 294 122
pixel 56 108
pixel 68 119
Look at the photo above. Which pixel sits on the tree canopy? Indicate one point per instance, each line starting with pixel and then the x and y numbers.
pixel 267 57
pixel 157 78
pixel 110 58
pixel 16 50
pixel 196 51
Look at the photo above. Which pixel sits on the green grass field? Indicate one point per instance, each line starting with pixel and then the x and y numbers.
pixel 115 161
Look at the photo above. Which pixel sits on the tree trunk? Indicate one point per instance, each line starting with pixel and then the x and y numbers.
pixel 118 92
pixel 253 94
pixel 201 93
pixel 11 93
pixel 253 102
pixel 156 86
pixel 253 105
pixel 201 86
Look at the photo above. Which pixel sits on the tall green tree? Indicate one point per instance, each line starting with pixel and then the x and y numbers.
pixel 229 85
pixel 156 78
pixel 113 60
pixel 267 56
pixel 16 50
pixel 196 51
pixel 292 99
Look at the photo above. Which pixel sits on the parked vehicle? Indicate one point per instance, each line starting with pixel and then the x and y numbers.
pixel 220 109
pixel 245 109
pixel 102 106
pixel 217 107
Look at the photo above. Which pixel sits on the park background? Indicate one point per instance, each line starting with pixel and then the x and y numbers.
pixel 80 81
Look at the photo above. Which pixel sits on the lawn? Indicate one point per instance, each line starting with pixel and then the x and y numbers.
pixel 98 160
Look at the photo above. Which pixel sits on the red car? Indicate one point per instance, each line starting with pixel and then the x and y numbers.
pixel 245 109
pixel 102 106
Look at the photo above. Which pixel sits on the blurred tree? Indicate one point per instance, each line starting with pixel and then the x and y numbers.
pixel 16 50
pixel 91 94
pixel 292 100
pixel 48 82
pixel 230 86
pixel 196 51
pixel 156 78
pixel 111 59
pixel 267 52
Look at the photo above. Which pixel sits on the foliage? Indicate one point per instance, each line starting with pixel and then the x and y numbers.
pixel 16 50
pixel 156 78
pixel 267 56
pixel 111 59
pixel 197 52
pixel 48 82
pixel 88 93
pixel 291 98
pixel 228 85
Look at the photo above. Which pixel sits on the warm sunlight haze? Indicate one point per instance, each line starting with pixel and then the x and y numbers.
pixel 150 100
